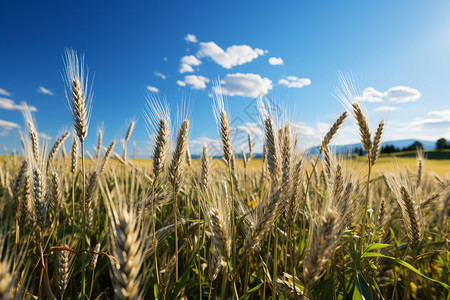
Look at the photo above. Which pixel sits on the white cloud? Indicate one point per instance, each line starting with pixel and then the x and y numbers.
pixel 434 126
pixel 401 94
pixel 396 94
pixel 8 125
pixel 233 56
pixel 4 92
pixel 245 85
pixel 294 82
pixel 276 61
pixel 43 90
pixel 213 146
pixel 190 38
pixel 181 83
pixel 160 75
pixel 255 129
pixel 190 60
pixel 9 104
pixel 152 89
pixel 165 59
pixel 386 108
pixel 441 113
pixel 187 62
pixel 185 68
pixel 196 82
pixel 370 95
pixel 44 136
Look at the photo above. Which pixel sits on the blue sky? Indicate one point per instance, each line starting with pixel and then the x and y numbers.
pixel 290 51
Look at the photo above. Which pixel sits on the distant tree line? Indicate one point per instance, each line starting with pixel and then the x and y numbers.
pixel 441 143
pixel 391 148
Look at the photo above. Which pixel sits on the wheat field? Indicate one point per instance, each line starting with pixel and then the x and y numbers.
pixel 290 225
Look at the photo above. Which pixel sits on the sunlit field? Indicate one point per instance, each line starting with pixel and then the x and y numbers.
pixel 99 225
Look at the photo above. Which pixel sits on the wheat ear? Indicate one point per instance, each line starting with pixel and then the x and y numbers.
pixel 55 148
pixel 129 131
pixel 375 152
pixel 411 217
pixel 160 150
pixel 266 214
pixel 225 137
pixel 188 157
pixel 39 199
pixel 363 128
pixel 272 150
pixel 99 144
pixel 62 271
pixel 206 165
pixel 34 140
pixel 74 155
pixel 128 247
pixel 56 194
pixel 178 157
pixel 333 130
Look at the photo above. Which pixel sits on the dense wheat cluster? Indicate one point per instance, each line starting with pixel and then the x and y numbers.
pixel 296 225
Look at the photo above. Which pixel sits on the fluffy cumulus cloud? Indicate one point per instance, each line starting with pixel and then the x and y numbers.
pixel 44 90
pixel 181 83
pixel 255 129
pixel 276 61
pixel 190 38
pixel 401 94
pixel 9 104
pixel 196 82
pixel 152 89
pixel 233 56
pixel 185 68
pixel 370 95
pixel 190 60
pixel 396 94
pixel 160 75
pixel 6 126
pixel 187 62
pixel 294 82
pixel 4 92
pixel 386 108
pixel 245 85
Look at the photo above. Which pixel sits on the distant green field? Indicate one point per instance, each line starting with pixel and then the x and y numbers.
pixel 429 154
